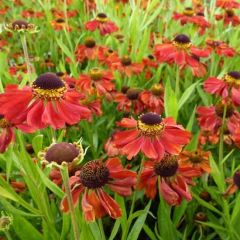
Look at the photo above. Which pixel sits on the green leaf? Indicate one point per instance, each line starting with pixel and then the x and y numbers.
pixel 170 102
pixel 191 120
pixel 5 194
pixel 206 204
pixel 95 230
pixel 25 230
pixel 166 227
pixel 49 184
pixel 138 225
pixel 188 92
pixel 115 229
pixel 37 143
pixel 149 232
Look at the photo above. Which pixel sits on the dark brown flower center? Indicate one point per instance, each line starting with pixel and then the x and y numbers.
pixel 62 152
pixel 196 157
pixel 236 178
pixel 94 174
pixel 151 57
pixel 124 89
pixel 102 15
pixel 167 167
pixel 132 94
pixel 60 20
pixel 234 74
pixel 60 74
pixel 220 110
pixel 230 13
pixel 90 43
pixel 19 24
pixel 151 118
pixel 150 124
pixel 126 61
pixel 182 39
pixel 48 81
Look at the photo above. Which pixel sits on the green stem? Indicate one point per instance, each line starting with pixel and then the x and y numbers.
pixel 177 83
pixel 65 178
pixel 220 150
pixel 26 56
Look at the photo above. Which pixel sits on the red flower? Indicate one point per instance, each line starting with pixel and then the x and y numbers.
pixel 224 87
pixel 229 18
pixel 184 17
pixel 152 135
pixel 174 179
pixel 49 102
pixel 31 14
pixel 153 99
pixel 149 64
pixel 60 24
pixel 107 56
pixel 198 159
pixel 180 51
pixel 7 132
pixel 91 180
pixel 221 48
pixel 209 136
pixel 189 16
pixel 209 118
pixel 102 23
pixel 128 100
pixel 227 4
pixel 125 66
pixel 87 51
pixel 110 147
pixel 210 121
pixel 99 80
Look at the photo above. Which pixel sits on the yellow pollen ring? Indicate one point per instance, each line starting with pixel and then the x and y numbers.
pixel 183 46
pixel 188 12
pixel 49 94
pixel 3 123
pixel 150 130
pixel 229 79
pixel 102 19
pixel 96 74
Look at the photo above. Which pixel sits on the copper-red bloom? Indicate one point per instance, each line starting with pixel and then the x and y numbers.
pixel 91 180
pixel 180 51
pixel 49 102
pixel 88 50
pixel 102 23
pixel 227 4
pixel 152 135
pixel 229 17
pixel 174 179
pixel 221 48
pixel 98 80
pixel 224 87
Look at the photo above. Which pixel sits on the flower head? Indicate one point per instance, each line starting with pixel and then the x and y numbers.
pixel 91 181
pixel 152 135
pixel 180 51
pixel 174 179
pixel 102 23
pixel 21 26
pixel 63 153
pixel 49 102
